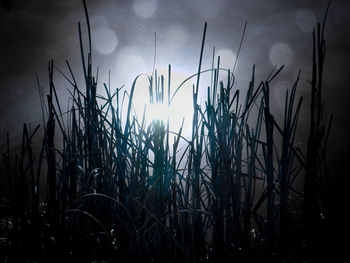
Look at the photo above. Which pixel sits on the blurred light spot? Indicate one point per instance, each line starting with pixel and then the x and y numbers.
pixel 281 54
pixel 176 36
pixel 145 8
pixel 105 40
pixel 129 64
pixel 181 106
pixel 306 20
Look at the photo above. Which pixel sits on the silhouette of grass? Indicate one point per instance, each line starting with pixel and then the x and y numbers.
pixel 119 190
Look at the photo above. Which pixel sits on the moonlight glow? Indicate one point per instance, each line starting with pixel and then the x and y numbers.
pixel 180 108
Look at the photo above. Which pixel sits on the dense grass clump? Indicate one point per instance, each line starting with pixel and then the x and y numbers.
pixel 120 190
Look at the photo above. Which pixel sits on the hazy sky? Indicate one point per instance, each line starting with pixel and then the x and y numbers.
pixel 279 32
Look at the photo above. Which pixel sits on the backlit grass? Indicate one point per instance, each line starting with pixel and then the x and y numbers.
pixel 123 189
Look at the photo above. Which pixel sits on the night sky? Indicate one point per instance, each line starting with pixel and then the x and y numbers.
pixel 278 32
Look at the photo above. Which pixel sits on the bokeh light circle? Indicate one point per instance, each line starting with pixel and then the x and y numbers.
pixel 105 40
pixel 305 20
pixel 281 54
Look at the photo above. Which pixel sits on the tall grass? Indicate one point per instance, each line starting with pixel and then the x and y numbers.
pixel 119 190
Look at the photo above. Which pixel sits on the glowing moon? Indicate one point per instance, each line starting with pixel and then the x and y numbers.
pixel 180 108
